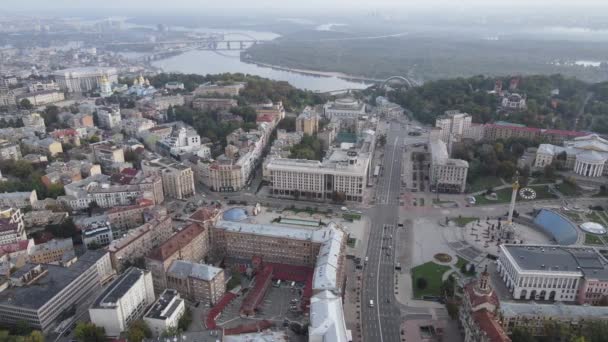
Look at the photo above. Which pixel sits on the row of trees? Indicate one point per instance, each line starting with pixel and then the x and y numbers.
pixel 556 331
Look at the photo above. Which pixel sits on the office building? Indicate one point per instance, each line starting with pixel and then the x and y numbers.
pixel 189 244
pixel 124 301
pixel 165 313
pixel 181 140
pixel 454 126
pixel 342 173
pixel 125 218
pixel 197 282
pixel 41 98
pixel 446 174
pixel 556 273
pixel 108 155
pixel 38 294
pixel 84 79
pixel 178 179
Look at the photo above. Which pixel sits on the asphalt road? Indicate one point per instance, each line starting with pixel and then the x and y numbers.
pixel 381 321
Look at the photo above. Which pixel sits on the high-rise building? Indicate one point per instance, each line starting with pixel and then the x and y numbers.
pixel 178 179
pixel 454 126
pixel 446 174
pixel 307 122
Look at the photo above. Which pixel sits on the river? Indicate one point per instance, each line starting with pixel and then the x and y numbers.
pixel 211 62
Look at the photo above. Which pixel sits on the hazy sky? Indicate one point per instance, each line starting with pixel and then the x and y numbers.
pixel 278 4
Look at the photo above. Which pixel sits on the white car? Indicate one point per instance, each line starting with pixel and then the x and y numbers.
pixel 344 209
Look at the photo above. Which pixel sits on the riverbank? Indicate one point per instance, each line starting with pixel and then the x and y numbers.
pixel 317 73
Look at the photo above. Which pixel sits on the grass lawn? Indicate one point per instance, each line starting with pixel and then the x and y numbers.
pixel 502 196
pixel 351 217
pixel 483 183
pixel 591 239
pixel 543 180
pixel 463 221
pixel 567 189
pixel 595 217
pixel 542 192
pixel 432 272
pixel 461 262
pixel 573 216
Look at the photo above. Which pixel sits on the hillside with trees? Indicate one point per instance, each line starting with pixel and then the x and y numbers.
pixel 578 105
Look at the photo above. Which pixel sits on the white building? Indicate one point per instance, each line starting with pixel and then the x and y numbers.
pixel 327 319
pixel 41 98
pixel 108 117
pixel 538 272
pixel 344 108
pixel 165 313
pixel 343 172
pixel 178 179
pixel 454 126
pixel 586 156
pixel 12 227
pixel 98 234
pixel 446 174
pixel 18 199
pixel 84 79
pixel 514 102
pixel 125 300
pixel 182 140
pixel 174 86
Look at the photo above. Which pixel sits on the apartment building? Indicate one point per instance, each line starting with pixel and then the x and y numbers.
pixel 307 122
pixel 138 242
pixel 53 251
pixel 46 146
pixel 190 244
pixel 224 90
pixel 165 313
pixel 38 294
pixel 108 117
pixel 177 179
pixel 213 104
pixel 122 219
pixel 97 234
pixel 108 155
pixel 182 140
pixel 124 301
pixel 12 224
pixel 197 282
pixel 9 150
pixel 18 199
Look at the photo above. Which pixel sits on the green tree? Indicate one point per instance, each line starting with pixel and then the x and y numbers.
pixel 185 320
pixel 138 331
pixel 25 104
pixel 89 332
pixel 522 335
pixel 421 283
pixel 170 332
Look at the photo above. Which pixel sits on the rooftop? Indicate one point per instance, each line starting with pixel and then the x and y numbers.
pixel 57 279
pixel 165 305
pixel 184 269
pixel 176 242
pixel 327 318
pixel 556 310
pixel 552 258
pixel 118 288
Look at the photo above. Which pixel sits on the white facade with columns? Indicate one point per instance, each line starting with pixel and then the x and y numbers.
pixel 586 156
pixel 539 272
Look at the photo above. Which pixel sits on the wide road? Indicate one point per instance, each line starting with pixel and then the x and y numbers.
pixel 381 321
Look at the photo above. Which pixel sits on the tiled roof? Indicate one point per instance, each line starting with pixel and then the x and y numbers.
pixel 486 322
pixel 177 241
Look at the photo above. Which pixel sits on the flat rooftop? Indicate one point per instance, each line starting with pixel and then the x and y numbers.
pixel 57 278
pixel 551 258
pixel 514 309
pixel 118 288
pixel 165 305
